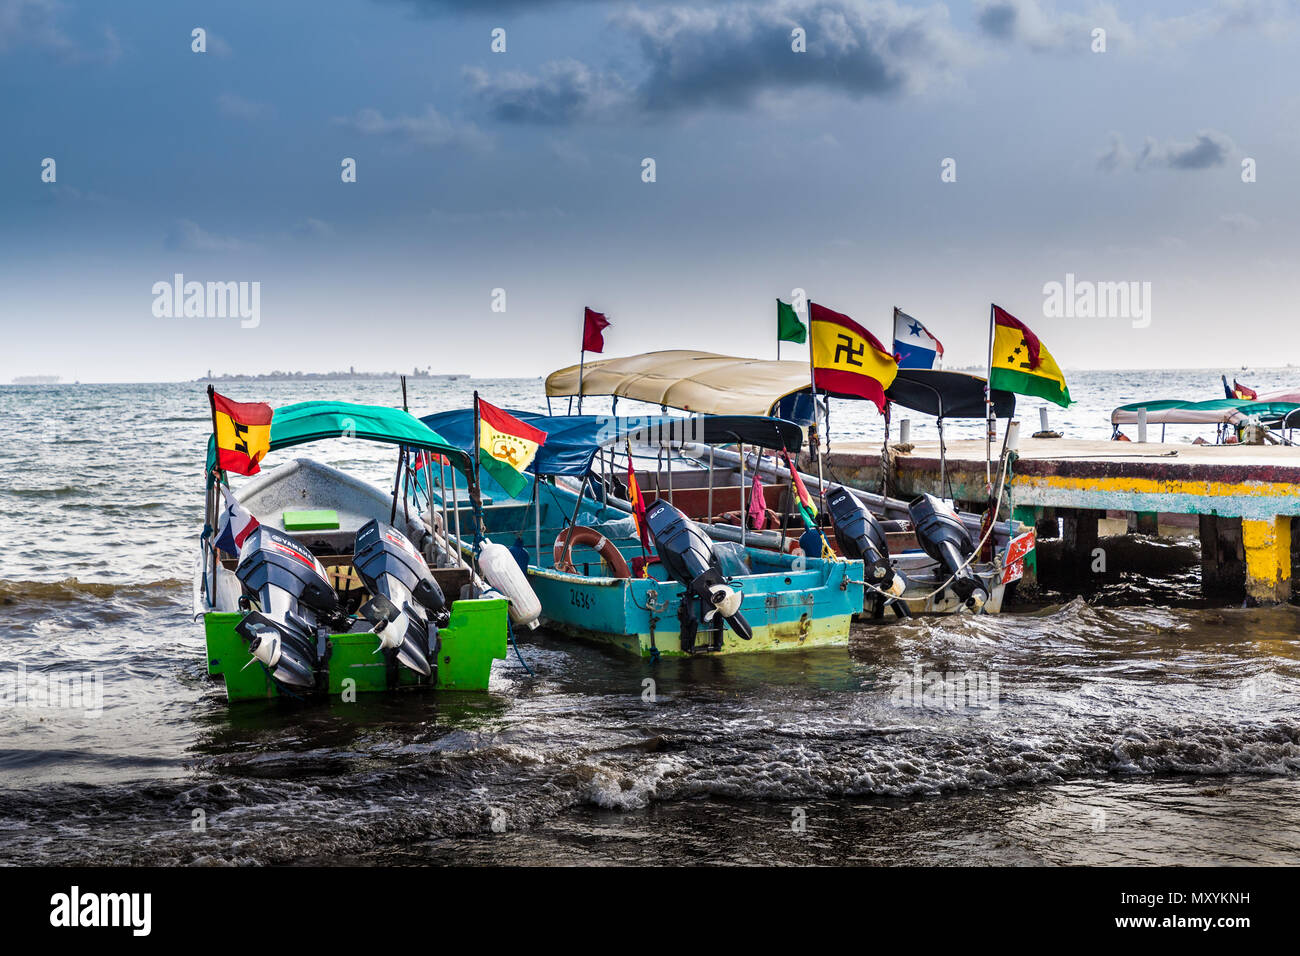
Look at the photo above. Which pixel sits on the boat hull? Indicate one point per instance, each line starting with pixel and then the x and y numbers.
pixel 475 636
pixel 809 608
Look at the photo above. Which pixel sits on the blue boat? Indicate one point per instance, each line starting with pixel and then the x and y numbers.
pixel 585 559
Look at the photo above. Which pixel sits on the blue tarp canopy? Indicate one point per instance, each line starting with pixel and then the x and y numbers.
pixel 573 440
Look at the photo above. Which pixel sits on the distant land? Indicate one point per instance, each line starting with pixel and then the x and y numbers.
pixel 37 380
pixel 350 375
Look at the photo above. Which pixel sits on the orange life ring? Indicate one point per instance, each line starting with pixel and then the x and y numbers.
pixel 581 534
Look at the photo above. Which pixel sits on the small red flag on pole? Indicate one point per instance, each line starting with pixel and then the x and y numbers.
pixel 593 324
pixel 593 340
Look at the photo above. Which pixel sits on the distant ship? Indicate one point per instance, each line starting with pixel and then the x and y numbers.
pixel 37 380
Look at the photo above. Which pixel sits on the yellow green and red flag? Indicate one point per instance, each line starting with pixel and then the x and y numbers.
pixel 506 446
pixel 1021 363
pixel 242 431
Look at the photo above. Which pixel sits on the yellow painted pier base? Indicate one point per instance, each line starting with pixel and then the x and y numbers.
pixel 1267 545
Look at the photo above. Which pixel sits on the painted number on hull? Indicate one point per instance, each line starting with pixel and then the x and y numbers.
pixel 580 600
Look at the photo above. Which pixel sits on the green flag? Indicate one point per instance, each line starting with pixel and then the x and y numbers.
pixel 788 326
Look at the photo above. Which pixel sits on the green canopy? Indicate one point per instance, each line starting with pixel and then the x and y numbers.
pixel 1220 411
pixel 313 421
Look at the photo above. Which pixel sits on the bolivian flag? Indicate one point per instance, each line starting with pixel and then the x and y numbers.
pixel 847 359
pixel 1021 362
pixel 506 446
pixel 243 433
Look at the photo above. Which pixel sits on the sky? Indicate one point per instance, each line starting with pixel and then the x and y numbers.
pixel 934 157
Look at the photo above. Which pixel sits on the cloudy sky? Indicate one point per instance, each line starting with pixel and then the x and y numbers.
pixel 523 171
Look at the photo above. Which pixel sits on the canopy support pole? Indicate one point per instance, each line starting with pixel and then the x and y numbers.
pixel 710 514
pixel 744 512
pixel 537 517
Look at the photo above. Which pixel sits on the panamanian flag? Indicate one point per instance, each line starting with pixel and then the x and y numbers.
pixel 913 343
pixel 234 524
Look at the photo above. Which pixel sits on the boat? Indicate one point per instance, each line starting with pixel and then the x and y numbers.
pixel 710 384
pixel 684 595
pixel 1228 416
pixel 338 587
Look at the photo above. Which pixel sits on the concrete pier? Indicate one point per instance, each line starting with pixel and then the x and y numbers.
pixel 1245 496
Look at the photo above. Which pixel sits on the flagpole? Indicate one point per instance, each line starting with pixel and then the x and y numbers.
pixel 812 375
pixel 582 362
pixel 988 408
pixel 475 494
pixel 216 490
pixel 778 329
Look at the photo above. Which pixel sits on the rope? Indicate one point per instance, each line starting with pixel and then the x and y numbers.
pixel 510 634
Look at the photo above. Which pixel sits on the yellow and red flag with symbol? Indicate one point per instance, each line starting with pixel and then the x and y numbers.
pixel 506 446
pixel 848 360
pixel 242 431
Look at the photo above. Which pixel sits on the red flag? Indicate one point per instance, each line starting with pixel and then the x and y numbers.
pixel 1243 392
pixel 593 324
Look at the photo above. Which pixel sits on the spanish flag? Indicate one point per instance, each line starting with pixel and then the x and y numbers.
pixel 506 446
pixel 1021 362
pixel 243 433
pixel 847 359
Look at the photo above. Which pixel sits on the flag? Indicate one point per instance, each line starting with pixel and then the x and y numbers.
pixel 593 325
pixel 637 500
pixel 757 505
pixel 234 524
pixel 1022 364
pixel 788 326
pixel 914 346
pixel 1243 392
pixel 847 359
pixel 243 433
pixel 506 446
pixel 807 507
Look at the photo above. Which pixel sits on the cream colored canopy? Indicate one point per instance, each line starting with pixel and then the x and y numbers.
pixel 699 382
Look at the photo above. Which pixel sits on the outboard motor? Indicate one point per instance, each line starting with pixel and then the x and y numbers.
pixel 861 537
pixel 406 607
pixel 944 538
pixel 293 594
pixel 687 554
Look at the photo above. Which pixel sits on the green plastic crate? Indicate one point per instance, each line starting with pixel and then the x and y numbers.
pixel 322 520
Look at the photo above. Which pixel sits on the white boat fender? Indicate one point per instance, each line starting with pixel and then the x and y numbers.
pixel 500 569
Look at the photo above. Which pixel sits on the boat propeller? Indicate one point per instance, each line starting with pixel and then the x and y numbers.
pixel 391 625
pixel 726 601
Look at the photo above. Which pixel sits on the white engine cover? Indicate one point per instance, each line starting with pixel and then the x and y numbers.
pixel 499 569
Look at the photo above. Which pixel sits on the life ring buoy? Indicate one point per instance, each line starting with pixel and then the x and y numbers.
pixel 581 534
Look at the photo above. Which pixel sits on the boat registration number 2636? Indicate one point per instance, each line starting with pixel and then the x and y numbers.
pixel 580 599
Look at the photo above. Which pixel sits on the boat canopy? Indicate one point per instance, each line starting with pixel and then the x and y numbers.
pixel 712 384
pixel 700 382
pixel 572 441
pixel 945 394
pixel 313 421
pixel 1217 412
